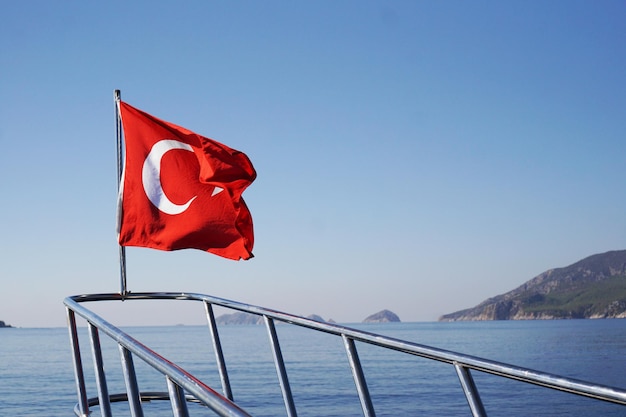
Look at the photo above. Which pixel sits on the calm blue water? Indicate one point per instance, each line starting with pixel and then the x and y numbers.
pixel 36 378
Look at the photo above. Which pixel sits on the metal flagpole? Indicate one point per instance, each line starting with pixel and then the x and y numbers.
pixel 118 128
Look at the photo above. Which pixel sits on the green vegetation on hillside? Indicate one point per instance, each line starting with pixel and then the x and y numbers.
pixel 578 302
pixel 594 287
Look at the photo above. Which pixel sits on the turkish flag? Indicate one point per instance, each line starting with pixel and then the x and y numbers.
pixel 181 190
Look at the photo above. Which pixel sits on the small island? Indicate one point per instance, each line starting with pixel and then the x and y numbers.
pixel 240 317
pixel 4 325
pixel 384 316
pixel 249 318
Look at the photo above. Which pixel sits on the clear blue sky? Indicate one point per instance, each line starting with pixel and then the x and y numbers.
pixel 411 155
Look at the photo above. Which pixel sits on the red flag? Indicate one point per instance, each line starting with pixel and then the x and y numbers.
pixel 181 190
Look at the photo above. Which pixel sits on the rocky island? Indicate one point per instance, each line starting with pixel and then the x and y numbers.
pixel 239 318
pixel 594 287
pixel 249 318
pixel 3 324
pixel 384 316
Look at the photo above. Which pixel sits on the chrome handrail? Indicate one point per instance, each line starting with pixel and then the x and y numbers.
pixel 182 386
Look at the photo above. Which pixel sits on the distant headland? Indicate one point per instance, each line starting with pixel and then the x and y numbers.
pixel 592 288
pixel 3 324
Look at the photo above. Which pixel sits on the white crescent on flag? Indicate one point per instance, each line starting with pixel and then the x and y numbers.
pixel 151 177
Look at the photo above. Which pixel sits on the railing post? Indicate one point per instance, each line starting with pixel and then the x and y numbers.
pixel 130 377
pixel 359 377
pixel 280 368
pixel 470 390
pixel 177 399
pixel 78 364
pixel 101 382
pixel 219 354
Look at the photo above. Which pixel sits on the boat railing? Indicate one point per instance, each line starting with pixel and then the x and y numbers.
pixel 183 386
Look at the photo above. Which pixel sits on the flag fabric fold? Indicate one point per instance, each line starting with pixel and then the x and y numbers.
pixel 181 190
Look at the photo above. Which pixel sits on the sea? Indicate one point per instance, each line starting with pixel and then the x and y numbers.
pixel 37 378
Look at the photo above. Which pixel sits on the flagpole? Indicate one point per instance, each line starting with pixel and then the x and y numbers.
pixel 118 129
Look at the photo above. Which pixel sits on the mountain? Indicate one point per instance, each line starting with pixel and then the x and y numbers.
pixel 594 287
pixel 384 316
